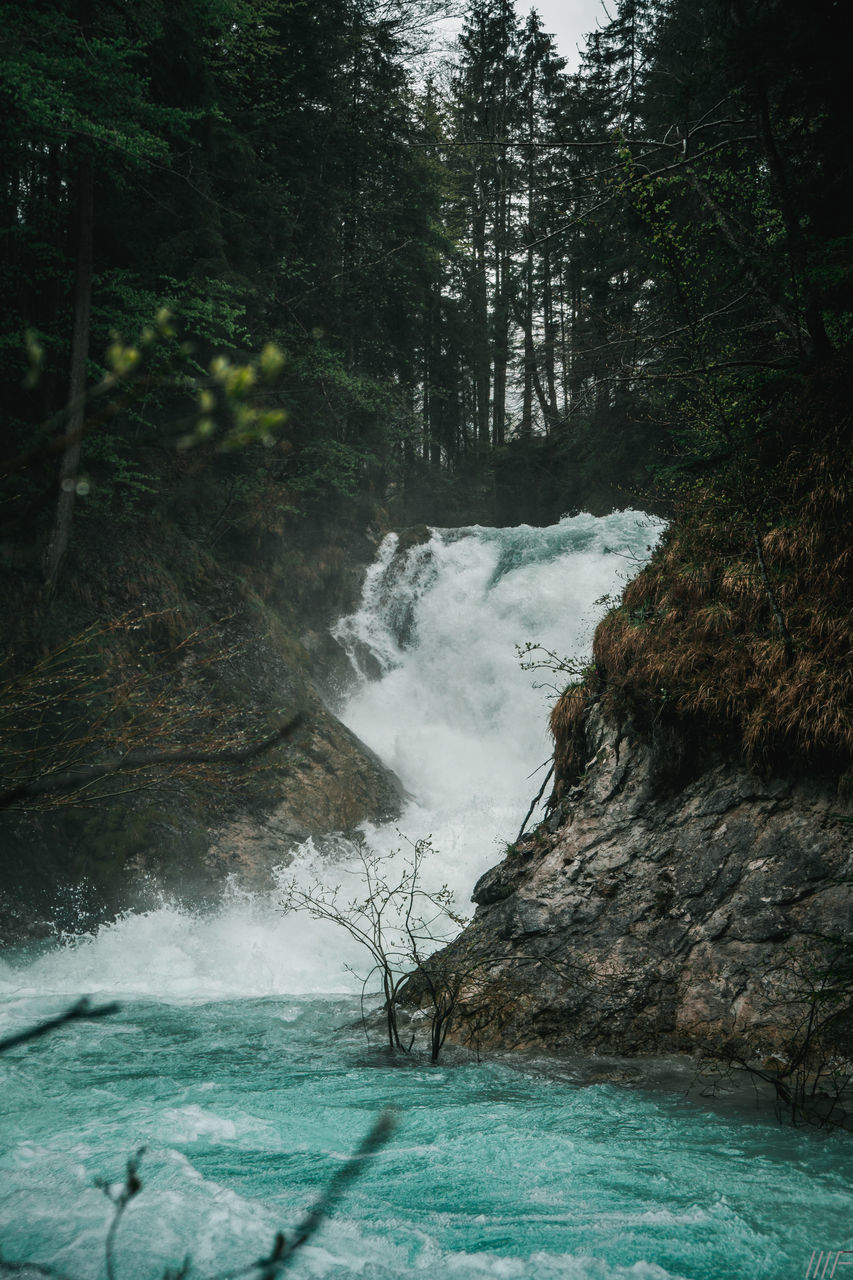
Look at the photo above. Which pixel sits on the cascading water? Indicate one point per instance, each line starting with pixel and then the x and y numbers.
pixel 453 713
pixel 237 1061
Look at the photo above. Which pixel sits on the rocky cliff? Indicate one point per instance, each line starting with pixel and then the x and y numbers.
pixel 226 643
pixel 655 915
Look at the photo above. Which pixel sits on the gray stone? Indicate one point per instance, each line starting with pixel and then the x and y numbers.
pixel 654 921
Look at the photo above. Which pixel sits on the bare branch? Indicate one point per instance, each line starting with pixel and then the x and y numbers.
pixel 74 779
pixel 82 1009
pixel 283 1249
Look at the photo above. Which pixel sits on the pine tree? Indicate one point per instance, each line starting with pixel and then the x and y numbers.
pixel 485 119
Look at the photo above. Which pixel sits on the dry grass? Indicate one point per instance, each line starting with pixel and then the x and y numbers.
pixel 696 641
pixel 567 728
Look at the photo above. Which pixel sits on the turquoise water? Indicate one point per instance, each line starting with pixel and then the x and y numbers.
pixel 246 1108
pixel 238 1062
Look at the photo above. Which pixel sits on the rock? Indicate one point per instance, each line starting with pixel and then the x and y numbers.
pixel 657 921
pixel 498 882
pixel 329 782
pixel 77 865
pixel 414 536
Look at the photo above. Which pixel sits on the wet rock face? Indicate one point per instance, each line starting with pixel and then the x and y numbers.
pixel 329 781
pixel 649 923
pixel 125 853
pixel 72 868
pixel 324 780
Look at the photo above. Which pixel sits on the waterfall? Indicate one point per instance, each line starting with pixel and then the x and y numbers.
pixel 442 698
pixel 452 711
pixel 243 1081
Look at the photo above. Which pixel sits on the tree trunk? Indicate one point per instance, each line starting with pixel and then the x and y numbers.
pixel 797 246
pixel 526 426
pixel 481 323
pixel 84 220
pixel 500 311
pixel 551 333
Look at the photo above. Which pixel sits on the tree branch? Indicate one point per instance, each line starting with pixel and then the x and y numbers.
pixel 82 1009
pixel 140 758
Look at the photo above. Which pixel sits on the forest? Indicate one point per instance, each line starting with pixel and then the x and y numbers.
pixel 274 273
pixel 492 283
pixel 281 278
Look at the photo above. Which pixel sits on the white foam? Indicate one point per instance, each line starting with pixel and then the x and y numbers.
pixel 454 715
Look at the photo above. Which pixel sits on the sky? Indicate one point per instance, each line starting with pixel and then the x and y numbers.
pixel 568 20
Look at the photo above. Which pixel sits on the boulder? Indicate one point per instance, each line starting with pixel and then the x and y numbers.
pixel 657 921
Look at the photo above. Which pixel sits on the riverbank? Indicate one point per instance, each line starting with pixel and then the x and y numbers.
pixel 162 641
pixel 661 913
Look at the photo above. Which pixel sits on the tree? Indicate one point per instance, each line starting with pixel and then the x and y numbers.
pixel 74 83
pixel 484 117
pixel 395 919
pixel 542 102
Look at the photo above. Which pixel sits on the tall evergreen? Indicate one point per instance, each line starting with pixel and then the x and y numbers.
pixel 519 258
pixel 483 131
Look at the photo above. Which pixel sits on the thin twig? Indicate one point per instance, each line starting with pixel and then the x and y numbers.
pixel 132 1187
pixel 534 803
pixel 284 1249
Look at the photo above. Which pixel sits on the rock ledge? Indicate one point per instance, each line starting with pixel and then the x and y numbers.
pixel 658 923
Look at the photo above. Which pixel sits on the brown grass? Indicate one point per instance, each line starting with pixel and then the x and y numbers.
pixel 695 640
pixel 567 716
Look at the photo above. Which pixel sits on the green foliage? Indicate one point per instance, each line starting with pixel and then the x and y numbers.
pixel 114 482
pixel 330 467
pixel 63 80
pixel 522 257
pixel 511 291
pixel 208 313
pixel 538 657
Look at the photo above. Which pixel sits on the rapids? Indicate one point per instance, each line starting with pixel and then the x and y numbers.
pixel 237 1059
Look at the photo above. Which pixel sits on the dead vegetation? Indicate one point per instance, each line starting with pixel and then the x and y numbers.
pixel 117 708
pixel 567 721
pixel 739 631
